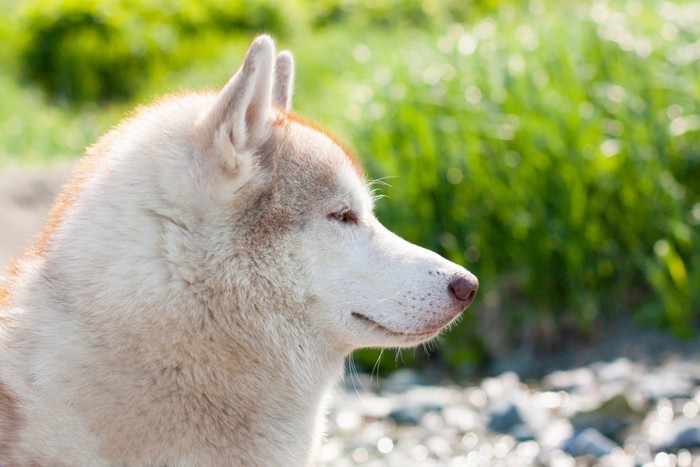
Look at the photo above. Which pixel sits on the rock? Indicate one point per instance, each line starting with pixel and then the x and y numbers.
pixel 665 385
pixel 621 369
pixel 570 381
pixel 503 419
pixel 522 432
pixel 609 419
pixel 589 442
pixel 683 437
pixel 408 415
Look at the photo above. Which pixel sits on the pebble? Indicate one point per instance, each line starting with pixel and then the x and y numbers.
pixel 685 437
pixel 407 415
pixel 615 413
pixel 589 442
pixel 504 419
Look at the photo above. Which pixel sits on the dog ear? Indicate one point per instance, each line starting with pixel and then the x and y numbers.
pixel 241 119
pixel 283 80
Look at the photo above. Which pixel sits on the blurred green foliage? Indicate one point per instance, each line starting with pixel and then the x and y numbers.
pixel 553 149
pixel 558 159
pixel 86 50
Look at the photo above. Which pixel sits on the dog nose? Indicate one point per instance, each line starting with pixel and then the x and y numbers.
pixel 464 289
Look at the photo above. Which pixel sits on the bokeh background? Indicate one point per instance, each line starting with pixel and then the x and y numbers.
pixel 550 147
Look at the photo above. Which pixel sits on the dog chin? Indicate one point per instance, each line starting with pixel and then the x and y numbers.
pixel 391 337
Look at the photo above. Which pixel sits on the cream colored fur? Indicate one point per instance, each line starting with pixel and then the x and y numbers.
pixel 199 286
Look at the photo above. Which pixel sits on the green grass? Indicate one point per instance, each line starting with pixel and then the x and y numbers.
pixel 555 153
pixel 552 149
pixel 35 132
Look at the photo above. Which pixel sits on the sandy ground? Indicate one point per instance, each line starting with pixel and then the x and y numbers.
pixel 26 196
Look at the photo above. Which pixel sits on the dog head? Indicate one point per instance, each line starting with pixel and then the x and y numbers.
pixel 363 285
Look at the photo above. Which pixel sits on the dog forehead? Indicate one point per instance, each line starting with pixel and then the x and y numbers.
pixel 309 134
pixel 313 159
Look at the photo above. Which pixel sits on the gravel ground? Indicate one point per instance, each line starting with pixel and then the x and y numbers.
pixel 640 411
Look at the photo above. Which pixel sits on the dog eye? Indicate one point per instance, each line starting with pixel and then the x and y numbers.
pixel 344 216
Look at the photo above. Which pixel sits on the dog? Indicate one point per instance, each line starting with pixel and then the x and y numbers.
pixel 199 284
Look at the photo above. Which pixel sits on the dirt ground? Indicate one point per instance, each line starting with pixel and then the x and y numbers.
pixel 26 196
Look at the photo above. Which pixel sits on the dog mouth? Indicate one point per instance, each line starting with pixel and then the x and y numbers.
pixel 380 327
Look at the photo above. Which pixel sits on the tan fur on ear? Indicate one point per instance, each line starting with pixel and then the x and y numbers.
pixel 283 80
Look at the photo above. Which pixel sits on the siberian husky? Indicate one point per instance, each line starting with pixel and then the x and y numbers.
pixel 199 284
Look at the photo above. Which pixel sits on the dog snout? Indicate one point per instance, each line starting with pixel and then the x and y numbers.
pixel 464 288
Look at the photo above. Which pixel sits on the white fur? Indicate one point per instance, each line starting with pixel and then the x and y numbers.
pixel 196 298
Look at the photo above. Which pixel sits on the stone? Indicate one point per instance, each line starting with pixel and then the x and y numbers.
pixel 522 432
pixel 589 442
pixel 571 380
pixel 683 437
pixel 667 384
pixel 503 419
pixel 613 416
pixel 408 415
